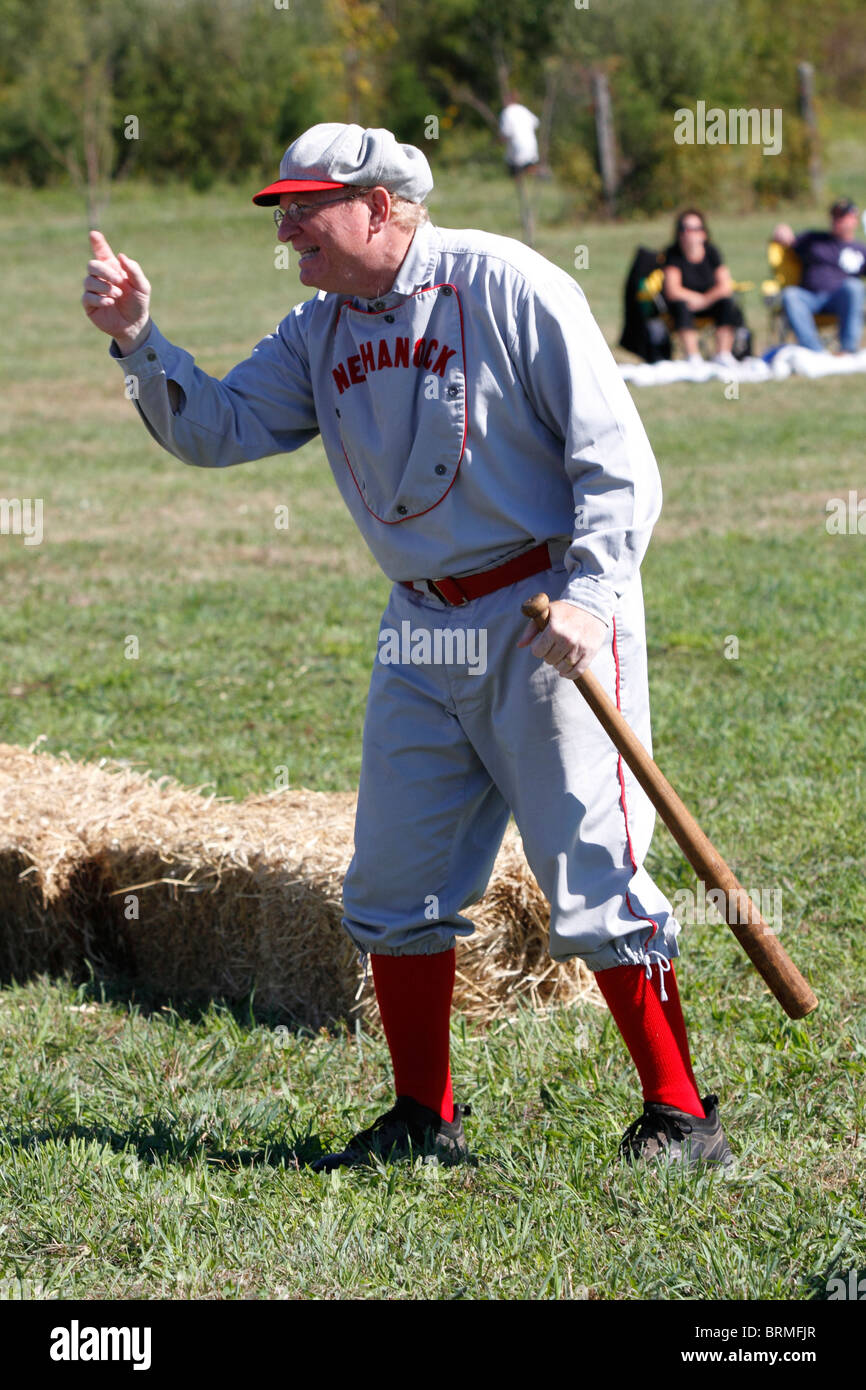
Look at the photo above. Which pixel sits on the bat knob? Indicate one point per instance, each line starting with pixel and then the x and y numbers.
pixel 538 609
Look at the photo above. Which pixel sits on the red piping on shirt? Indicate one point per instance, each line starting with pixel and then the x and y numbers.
pixel 372 313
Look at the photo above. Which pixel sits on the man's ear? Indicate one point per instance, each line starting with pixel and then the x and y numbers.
pixel 380 209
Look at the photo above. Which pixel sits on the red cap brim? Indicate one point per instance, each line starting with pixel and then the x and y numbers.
pixel 271 195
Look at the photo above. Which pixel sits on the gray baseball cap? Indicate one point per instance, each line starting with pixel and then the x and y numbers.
pixel 337 156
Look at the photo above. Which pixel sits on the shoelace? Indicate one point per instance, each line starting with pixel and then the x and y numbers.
pixel 404 1121
pixel 381 1131
pixel 651 1121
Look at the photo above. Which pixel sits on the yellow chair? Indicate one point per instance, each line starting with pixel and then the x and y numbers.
pixel 787 269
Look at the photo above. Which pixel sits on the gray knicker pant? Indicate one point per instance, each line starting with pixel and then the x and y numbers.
pixel 449 748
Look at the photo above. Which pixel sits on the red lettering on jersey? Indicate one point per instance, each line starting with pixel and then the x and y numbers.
pixel 355 369
pixel 442 360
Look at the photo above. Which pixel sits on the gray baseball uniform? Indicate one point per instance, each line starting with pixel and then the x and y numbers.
pixel 467 415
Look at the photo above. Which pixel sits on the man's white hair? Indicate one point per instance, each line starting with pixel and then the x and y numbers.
pixel 404 214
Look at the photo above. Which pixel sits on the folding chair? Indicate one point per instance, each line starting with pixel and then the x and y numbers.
pixel 787 269
pixel 648 324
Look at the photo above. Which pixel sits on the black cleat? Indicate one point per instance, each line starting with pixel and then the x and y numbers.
pixel 407 1130
pixel 664 1134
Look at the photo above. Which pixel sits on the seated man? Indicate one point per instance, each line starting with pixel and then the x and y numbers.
pixel 833 264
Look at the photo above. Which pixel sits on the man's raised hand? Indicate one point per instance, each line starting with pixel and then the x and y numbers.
pixel 116 295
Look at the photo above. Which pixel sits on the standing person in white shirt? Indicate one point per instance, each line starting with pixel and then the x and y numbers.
pixel 517 127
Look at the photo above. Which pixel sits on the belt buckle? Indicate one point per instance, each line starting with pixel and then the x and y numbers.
pixel 434 588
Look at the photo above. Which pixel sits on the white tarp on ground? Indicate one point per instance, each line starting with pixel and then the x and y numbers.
pixel 790 360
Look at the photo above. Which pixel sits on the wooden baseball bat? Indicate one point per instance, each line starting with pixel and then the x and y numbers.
pixel 757 939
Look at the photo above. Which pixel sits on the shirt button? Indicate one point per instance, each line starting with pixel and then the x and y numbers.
pixel 440 469
pixel 389 318
pixel 338 411
pixel 402 510
pixel 380 304
pixel 453 391
pixel 151 356
pixel 446 289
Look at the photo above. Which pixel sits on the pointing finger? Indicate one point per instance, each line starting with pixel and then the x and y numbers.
pixel 101 249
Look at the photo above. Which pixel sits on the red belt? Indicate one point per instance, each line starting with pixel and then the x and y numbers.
pixel 469 586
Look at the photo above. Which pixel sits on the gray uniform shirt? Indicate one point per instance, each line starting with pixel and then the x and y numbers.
pixel 472 412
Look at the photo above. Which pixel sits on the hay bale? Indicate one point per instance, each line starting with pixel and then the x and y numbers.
pixel 195 897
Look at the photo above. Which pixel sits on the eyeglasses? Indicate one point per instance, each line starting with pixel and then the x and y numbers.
pixel 297 211
pixel 693 227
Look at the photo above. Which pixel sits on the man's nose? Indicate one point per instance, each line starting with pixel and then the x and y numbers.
pixel 285 229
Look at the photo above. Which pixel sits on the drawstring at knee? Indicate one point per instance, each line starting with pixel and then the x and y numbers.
pixel 663 964
pixel 363 959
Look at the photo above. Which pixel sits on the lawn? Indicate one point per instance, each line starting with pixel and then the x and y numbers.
pixel 149 1150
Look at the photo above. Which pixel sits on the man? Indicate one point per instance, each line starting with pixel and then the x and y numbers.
pixel 481 436
pixel 517 127
pixel 833 267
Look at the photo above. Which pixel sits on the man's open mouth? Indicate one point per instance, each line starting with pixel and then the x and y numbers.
pixel 308 251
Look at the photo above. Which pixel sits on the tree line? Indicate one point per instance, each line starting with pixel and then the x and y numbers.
pixel 97 90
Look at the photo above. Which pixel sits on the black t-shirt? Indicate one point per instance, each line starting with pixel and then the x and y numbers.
pixel 697 275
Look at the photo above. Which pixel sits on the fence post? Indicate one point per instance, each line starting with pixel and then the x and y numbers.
pixel 806 85
pixel 606 143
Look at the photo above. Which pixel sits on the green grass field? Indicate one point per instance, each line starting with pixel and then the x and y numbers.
pixel 150 1153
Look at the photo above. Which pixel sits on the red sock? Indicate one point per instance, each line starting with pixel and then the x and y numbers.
pixel 414 994
pixel 654 1033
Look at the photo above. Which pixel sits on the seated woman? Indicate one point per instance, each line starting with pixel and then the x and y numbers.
pixel 697 282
